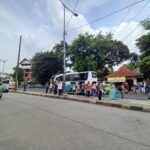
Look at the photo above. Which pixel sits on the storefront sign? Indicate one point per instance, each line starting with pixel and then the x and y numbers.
pixel 116 79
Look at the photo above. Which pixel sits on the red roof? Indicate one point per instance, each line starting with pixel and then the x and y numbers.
pixel 123 72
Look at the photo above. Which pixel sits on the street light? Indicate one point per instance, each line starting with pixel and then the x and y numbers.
pixel 64 34
pixel 3 61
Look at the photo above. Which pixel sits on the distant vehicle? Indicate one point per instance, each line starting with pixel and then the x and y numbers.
pixel 11 84
pixel 5 88
pixel 75 78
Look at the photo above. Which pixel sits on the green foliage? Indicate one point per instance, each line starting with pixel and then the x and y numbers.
pixel 89 52
pixel 145 66
pixel 134 61
pixel 20 74
pixel 146 24
pixel 144 45
pixel 59 49
pixel 46 64
pixel 99 73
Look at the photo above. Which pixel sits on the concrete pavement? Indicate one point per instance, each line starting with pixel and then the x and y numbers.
pixel 38 123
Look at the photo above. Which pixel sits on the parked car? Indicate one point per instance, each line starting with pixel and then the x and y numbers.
pixel 5 88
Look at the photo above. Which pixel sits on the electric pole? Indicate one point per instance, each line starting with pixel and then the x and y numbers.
pixel 17 68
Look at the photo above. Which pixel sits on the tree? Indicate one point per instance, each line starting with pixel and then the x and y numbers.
pixel 46 64
pixel 144 45
pixel 134 61
pixel 101 52
pixel 20 74
pixel 59 49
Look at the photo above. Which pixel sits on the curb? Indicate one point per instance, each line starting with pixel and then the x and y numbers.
pixel 121 106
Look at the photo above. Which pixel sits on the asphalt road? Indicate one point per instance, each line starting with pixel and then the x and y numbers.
pixel 38 123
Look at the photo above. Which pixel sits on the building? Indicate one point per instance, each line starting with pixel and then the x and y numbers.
pixel 26 65
pixel 125 75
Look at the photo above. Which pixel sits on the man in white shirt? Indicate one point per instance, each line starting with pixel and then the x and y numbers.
pixel 60 86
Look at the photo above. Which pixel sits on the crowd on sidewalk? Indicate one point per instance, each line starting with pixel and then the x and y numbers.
pixel 96 89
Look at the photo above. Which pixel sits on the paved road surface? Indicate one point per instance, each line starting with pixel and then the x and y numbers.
pixel 38 123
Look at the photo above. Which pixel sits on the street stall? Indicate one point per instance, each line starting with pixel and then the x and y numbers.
pixel 123 76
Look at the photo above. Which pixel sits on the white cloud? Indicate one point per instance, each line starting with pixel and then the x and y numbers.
pixel 128 32
pixel 86 5
pixel 37 34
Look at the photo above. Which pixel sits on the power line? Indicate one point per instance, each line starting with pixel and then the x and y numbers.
pixel 138 25
pixel 108 15
pixel 67 24
pixel 130 33
pixel 128 6
pixel 124 16
pixel 49 44
pixel 72 14
pixel 123 30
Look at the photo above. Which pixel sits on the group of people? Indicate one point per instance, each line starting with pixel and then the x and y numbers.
pixel 143 87
pixel 94 89
pixel 56 87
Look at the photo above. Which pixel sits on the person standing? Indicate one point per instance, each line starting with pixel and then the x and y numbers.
pixel 47 87
pixel 74 89
pixel 126 86
pixel 88 89
pixel 83 88
pixel 24 86
pixel 50 88
pixel 121 89
pixel 99 90
pixel 94 89
pixel 60 87
pixel 55 87
pixel 112 91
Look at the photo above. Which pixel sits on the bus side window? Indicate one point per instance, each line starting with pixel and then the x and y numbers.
pixel 83 76
pixel 94 75
pixel 58 78
pixel 68 77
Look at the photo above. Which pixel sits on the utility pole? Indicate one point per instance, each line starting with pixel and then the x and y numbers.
pixel 3 70
pixel 64 33
pixel 17 68
pixel 64 39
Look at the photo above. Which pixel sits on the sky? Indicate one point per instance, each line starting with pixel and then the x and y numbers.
pixel 40 22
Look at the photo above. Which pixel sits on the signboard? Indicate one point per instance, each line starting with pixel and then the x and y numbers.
pixel 116 79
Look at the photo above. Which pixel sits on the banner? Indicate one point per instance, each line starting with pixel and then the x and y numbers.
pixel 116 79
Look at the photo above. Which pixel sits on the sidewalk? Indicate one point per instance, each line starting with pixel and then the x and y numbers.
pixel 138 105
